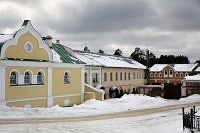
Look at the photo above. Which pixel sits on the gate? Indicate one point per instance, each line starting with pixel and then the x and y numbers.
pixel 190 120
pixel 172 91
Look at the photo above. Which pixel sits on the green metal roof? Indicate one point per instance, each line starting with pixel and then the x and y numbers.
pixel 48 37
pixel 64 55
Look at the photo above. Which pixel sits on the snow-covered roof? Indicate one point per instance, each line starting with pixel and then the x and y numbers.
pixel 184 67
pixel 194 77
pixel 5 37
pixel 97 59
pixel 176 67
pixel 56 57
pixel 197 69
pixel 157 67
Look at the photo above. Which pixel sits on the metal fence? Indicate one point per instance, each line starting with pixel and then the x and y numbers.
pixel 190 120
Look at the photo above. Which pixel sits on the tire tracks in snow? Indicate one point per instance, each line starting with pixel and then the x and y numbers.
pixel 130 113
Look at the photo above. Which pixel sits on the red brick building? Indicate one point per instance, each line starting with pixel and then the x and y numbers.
pixel 191 85
pixel 170 73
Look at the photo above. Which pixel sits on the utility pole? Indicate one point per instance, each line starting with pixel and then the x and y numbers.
pixel 147 66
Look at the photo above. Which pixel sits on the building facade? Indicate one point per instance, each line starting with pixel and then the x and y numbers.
pixel 170 73
pixel 111 72
pixel 31 76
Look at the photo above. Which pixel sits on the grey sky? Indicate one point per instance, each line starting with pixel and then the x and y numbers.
pixel 169 27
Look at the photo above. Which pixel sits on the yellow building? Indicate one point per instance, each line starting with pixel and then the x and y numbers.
pixel 110 72
pixel 32 76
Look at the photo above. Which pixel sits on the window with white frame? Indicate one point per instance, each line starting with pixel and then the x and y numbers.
pixel 66 77
pixel 155 74
pixel 111 77
pixel 27 78
pixel 177 75
pixel 116 75
pixel 125 76
pixel 95 77
pixel 133 75
pixel 40 78
pixel 170 73
pixel 160 74
pixel 139 75
pixel 13 78
pixel 165 73
pixel 129 76
pixel 143 75
pixel 181 74
pixel 151 74
pixel 105 76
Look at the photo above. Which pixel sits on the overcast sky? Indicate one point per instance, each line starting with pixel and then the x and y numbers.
pixel 168 27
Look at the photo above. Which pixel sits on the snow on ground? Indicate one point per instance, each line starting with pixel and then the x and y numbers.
pixel 93 107
pixel 166 122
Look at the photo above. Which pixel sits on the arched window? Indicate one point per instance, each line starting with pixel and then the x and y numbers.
pixel 13 78
pixel 40 78
pixel 27 78
pixel 67 78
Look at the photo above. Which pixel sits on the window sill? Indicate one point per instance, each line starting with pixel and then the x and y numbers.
pixel 25 85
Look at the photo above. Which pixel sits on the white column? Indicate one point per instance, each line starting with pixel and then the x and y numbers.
pixel 90 76
pixel 50 99
pixel 100 76
pixel 21 80
pixel 82 84
pixel 34 79
pixel 2 85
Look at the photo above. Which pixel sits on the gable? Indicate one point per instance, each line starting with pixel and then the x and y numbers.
pixel 26 44
pixel 168 67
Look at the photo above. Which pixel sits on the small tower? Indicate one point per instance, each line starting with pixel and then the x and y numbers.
pixel 48 40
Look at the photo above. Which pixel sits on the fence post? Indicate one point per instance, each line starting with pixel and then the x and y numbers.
pixel 194 109
pixel 183 113
pixel 191 115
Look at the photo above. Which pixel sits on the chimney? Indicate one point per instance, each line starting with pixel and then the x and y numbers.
pixel 58 41
pixel 48 40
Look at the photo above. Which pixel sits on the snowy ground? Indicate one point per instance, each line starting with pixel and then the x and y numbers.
pixel 164 122
pixel 93 107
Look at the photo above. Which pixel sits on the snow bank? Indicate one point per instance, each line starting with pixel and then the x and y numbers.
pixel 93 107
pixel 195 97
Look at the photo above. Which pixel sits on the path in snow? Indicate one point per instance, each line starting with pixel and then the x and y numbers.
pixel 130 113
